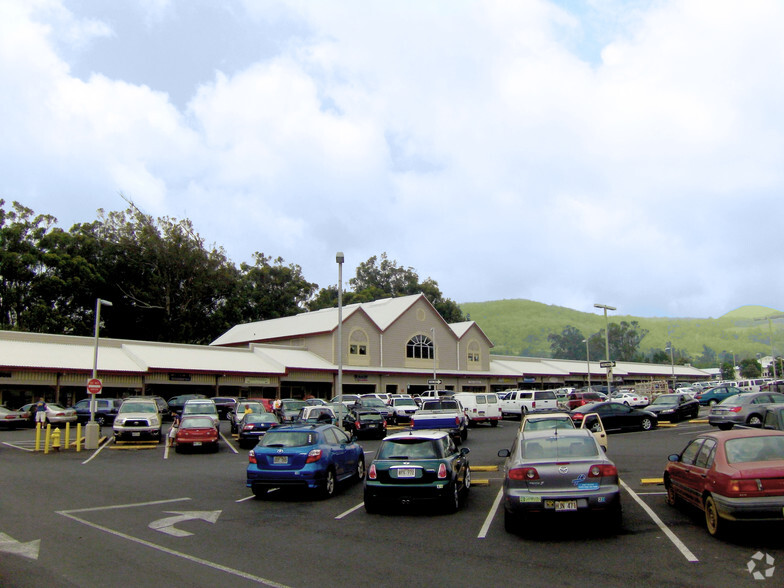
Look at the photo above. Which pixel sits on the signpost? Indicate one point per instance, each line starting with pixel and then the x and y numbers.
pixel 607 364
pixel 433 382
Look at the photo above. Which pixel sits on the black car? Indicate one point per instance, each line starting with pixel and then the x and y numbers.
pixel 618 417
pixel 367 424
pixel 105 410
pixel 253 426
pixel 374 404
pixel 674 407
pixel 176 403
pixel 224 404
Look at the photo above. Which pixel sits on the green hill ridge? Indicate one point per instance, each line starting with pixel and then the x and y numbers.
pixel 520 327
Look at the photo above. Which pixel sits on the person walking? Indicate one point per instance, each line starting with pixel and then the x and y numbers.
pixel 40 412
pixel 174 428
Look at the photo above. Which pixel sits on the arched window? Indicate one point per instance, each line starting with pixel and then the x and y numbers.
pixel 473 352
pixel 419 347
pixel 358 343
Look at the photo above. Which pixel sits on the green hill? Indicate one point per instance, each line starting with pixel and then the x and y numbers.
pixel 521 327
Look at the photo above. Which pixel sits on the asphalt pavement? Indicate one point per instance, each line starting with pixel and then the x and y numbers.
pixel 152 517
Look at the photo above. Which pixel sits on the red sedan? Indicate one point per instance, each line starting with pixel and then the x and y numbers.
pixel 196 431
pixel 735 475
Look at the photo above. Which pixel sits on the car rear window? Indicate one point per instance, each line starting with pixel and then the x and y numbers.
pixel 196 423
pixel 755 449
pixel 288 439
pixel 559 447
pixel 543 424
pixel 408 449
pixel 370 416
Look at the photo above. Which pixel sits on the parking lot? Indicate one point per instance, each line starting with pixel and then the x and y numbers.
pixel 151 517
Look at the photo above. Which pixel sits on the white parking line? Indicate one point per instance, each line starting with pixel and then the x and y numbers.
pixel 251 497
pixel 490 515
pixel 349 511
pixel 665 529
pixel 97 451
pixel 17 446
pixel 216 566
pixel 229 444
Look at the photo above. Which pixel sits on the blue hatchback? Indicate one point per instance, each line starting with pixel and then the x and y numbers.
pixel 310 456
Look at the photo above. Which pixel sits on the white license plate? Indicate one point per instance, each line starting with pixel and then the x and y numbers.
pixel 280 459
pixel 136 434
pixel 196 443
pixel 374 426
pixel 406 473
pixel 565 505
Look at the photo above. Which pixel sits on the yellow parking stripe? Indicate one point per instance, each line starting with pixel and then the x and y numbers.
pixel 475 482
pixel 652 481
pixel 480 468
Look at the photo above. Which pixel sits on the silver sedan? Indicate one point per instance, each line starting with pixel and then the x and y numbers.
pixel 742 409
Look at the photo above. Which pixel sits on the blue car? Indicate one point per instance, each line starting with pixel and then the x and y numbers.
pixel 715 395
pixel 314 457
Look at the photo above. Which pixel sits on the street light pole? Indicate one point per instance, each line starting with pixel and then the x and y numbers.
pixel 672 363
pixel 92 429
pixel 607 342
pixel 588 362
pixel 435 377
pixel 339 258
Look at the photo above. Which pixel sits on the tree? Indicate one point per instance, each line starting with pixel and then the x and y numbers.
pixel 750 368
pixel 376 279
pixel 707 358
pixel 727 371
pixel 568 345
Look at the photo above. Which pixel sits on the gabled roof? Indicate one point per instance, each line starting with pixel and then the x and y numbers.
pixel 381 312
pixel 460 330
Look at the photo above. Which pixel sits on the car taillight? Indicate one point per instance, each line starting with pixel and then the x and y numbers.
pixel 735 409
pixel 384 424
pixel 356 424
pixel 602 470
pixel 457 421
pixel 9 416
pixel 411 421
pixel 252 457
pixel 247 428
pixel 744 486
pixel 523 474
pixel 577 416
pixel 442 471
pixel 313 456
pixel 533 404
pixel 372 472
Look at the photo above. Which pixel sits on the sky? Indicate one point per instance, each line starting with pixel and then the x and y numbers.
pixel 568 152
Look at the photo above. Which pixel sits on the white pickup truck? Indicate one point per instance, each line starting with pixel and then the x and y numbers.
pixel 518 402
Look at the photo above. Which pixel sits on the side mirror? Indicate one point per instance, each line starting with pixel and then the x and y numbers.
pixel 504 453
pixel 465 451
pixel 674 457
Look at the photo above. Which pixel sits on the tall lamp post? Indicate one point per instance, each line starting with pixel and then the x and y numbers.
pixel 92 429
pixel 607 343
pixel 588 362
pixel 339 259
pixel 435 377
pixel 672 362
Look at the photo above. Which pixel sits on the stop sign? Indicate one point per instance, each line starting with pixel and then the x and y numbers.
pixel 94 386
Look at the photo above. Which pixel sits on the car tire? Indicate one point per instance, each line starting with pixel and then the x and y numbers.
pixel 466 483
pixel 101 420
pixel 715 524
pixel 615 519
pixel 371 505
pixel 511 522
pixel 359 473
pixel 725 426
pixel 754 421
pixel 647 424
pixel 672 498
pixel 493 423
pixel 452 500
pixel 712 402
pixel 259 492
pixel 328 491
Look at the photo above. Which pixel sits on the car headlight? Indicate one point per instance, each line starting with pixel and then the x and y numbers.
pixel 154 421
pixel 119 421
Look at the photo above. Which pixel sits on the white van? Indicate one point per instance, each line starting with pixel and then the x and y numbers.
pixel 482 407
pixel 751 385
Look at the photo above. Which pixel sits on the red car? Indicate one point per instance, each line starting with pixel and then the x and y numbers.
pixel 196 431
pixel 735 475
pixel 577 399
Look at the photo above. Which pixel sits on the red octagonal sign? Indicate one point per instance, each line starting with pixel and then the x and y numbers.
pixel 94 386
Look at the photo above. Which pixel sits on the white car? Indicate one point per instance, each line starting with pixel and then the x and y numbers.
pixel 403 409
pixel 59 414
pixel 630 399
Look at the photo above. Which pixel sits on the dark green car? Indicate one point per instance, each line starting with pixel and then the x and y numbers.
pixel 418 466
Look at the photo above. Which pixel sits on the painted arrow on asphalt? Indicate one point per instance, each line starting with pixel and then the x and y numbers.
pixel 11 545
pixel 167 525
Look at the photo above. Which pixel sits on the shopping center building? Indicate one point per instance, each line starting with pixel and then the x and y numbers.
pixel 390 345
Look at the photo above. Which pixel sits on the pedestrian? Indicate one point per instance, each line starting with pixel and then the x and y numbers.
pixel 40 412
pixel 174 428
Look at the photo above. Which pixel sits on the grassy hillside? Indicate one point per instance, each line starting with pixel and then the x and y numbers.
pixel 520 327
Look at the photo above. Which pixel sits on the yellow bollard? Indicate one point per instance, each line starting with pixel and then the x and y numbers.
pixel 48 437
pixel 38 436
pixel 67 436
pixel 78 437
pixel 56 439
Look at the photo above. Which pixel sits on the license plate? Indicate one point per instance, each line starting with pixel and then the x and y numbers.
pixel 280 459
pixel 196 443
pixel 406 473
pixel 565 505
pixel 135 434
pixel 373 426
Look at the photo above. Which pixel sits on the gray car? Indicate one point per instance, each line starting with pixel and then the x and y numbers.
pixel 742 409
pixel 549 474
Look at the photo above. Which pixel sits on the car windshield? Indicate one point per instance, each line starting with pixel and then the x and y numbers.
pixel 440 405
pixel 405 402
pixel 755 449
pixel 559 447
pixel 199 408
pixel 254 407
pixel 293 404
pixel 265 417
pixel 288 439
pixel 545 423
pixel 666 399
pixel 138 407
pixel 372 402
pixel 408 449
pixel 196 423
